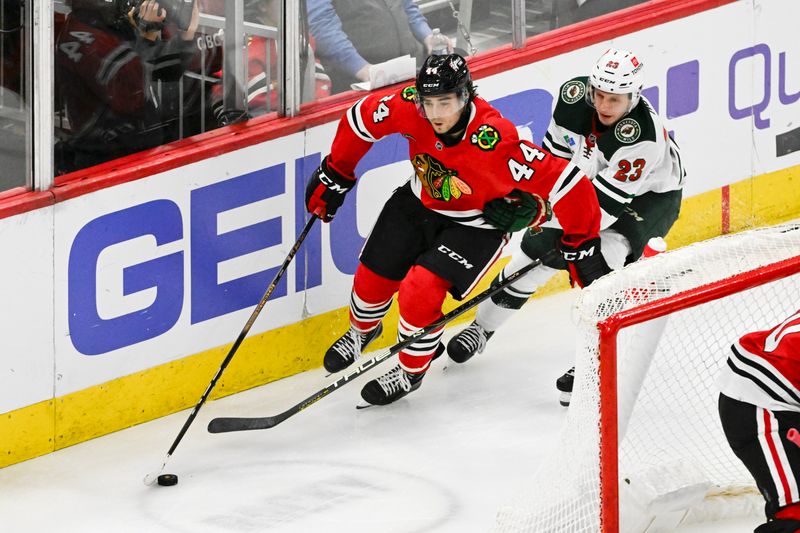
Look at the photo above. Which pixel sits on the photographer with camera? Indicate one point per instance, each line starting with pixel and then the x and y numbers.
pixel 117 75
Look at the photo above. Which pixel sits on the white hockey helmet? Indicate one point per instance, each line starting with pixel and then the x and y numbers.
pixel 617 72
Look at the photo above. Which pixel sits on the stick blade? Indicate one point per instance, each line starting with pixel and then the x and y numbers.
pixel 228 424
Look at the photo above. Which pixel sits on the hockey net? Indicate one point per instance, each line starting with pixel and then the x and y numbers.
pixel 642 448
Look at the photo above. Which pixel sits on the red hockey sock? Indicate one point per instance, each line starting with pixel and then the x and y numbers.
pixel 790 512
pixel 370 299
pixel 421 296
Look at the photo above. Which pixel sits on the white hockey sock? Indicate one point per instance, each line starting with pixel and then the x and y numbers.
pixel 491 316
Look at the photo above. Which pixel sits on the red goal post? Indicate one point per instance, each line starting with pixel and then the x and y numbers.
pixel 610 328
pixel 641 442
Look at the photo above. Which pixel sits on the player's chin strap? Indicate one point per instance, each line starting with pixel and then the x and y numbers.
pixel 454 135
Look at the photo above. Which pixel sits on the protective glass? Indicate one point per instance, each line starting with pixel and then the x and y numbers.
pixel 15 96
pixel 206 69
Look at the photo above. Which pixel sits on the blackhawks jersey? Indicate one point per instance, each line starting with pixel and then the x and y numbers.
pixel 763 368
pixel 628 159
pixel 489 162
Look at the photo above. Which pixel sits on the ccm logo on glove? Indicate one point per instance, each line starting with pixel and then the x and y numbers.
pixel 578 255
pixel 326 190
pixel 332 185
pixel 585 262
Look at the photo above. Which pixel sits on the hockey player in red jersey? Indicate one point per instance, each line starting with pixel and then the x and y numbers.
pixel 117 77
pixel 759 406
pixel 474 182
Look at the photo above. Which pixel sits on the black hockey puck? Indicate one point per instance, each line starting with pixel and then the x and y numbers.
pixel 167 480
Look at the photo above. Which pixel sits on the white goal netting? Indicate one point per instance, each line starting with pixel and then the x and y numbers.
pixel 674 463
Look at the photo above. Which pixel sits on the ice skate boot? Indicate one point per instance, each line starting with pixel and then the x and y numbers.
pixel 564 385
pixel 348 347
pixel 392 386
pixel 468 342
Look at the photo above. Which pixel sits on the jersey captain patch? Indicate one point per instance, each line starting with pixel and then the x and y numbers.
pixel 573 91
pixel 627 131
pixel 439 182
pixel 486 138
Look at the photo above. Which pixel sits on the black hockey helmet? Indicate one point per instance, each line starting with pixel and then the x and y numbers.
pixel 442 74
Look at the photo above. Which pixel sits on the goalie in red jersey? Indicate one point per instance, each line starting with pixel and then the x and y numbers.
pixel 759 406
pixel 474 183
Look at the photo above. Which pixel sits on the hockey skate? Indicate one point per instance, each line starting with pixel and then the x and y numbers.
pixel 392 386
pixel 564 385
pixel 348 347
pixel 468 342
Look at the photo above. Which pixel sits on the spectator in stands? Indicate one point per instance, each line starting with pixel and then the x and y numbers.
pixel 353 35
pixel 110 58
pixel 262 63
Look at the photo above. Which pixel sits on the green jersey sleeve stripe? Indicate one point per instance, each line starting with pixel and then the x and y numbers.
pixel 556 145
pixel 610 205
pixel 555 151
pixel 601 183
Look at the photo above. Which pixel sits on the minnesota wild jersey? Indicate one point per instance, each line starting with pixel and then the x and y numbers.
pixel 632 157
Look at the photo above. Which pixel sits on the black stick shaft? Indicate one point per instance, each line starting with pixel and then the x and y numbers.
pixel 244 332
pixel 226 424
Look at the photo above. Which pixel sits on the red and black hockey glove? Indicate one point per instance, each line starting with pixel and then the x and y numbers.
pixel 584 262
pixel 517 210
pixel 325 191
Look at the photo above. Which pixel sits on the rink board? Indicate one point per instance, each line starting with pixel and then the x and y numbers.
pixel 120 304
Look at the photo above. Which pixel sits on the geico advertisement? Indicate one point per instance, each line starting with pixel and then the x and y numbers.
pixel 168 266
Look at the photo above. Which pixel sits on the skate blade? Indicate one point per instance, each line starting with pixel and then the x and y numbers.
pixel 363 405
pixel 565 398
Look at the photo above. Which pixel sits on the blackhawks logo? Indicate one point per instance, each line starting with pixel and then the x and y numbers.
pixel 627 131
pixel 573 91
pixel 439 182
pixel 486 138
pixel 409 93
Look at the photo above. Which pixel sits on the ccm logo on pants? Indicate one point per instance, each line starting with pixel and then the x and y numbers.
pixel 455 257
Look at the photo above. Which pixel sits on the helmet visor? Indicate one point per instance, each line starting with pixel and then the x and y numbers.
pixel 441 106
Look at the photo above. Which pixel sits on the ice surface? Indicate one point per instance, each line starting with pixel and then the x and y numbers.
pixel 444 459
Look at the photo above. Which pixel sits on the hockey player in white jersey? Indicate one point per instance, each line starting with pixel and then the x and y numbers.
pixel 604 125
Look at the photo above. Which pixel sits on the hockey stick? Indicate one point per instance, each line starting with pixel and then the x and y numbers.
pixel 226 424
pixel 150 478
